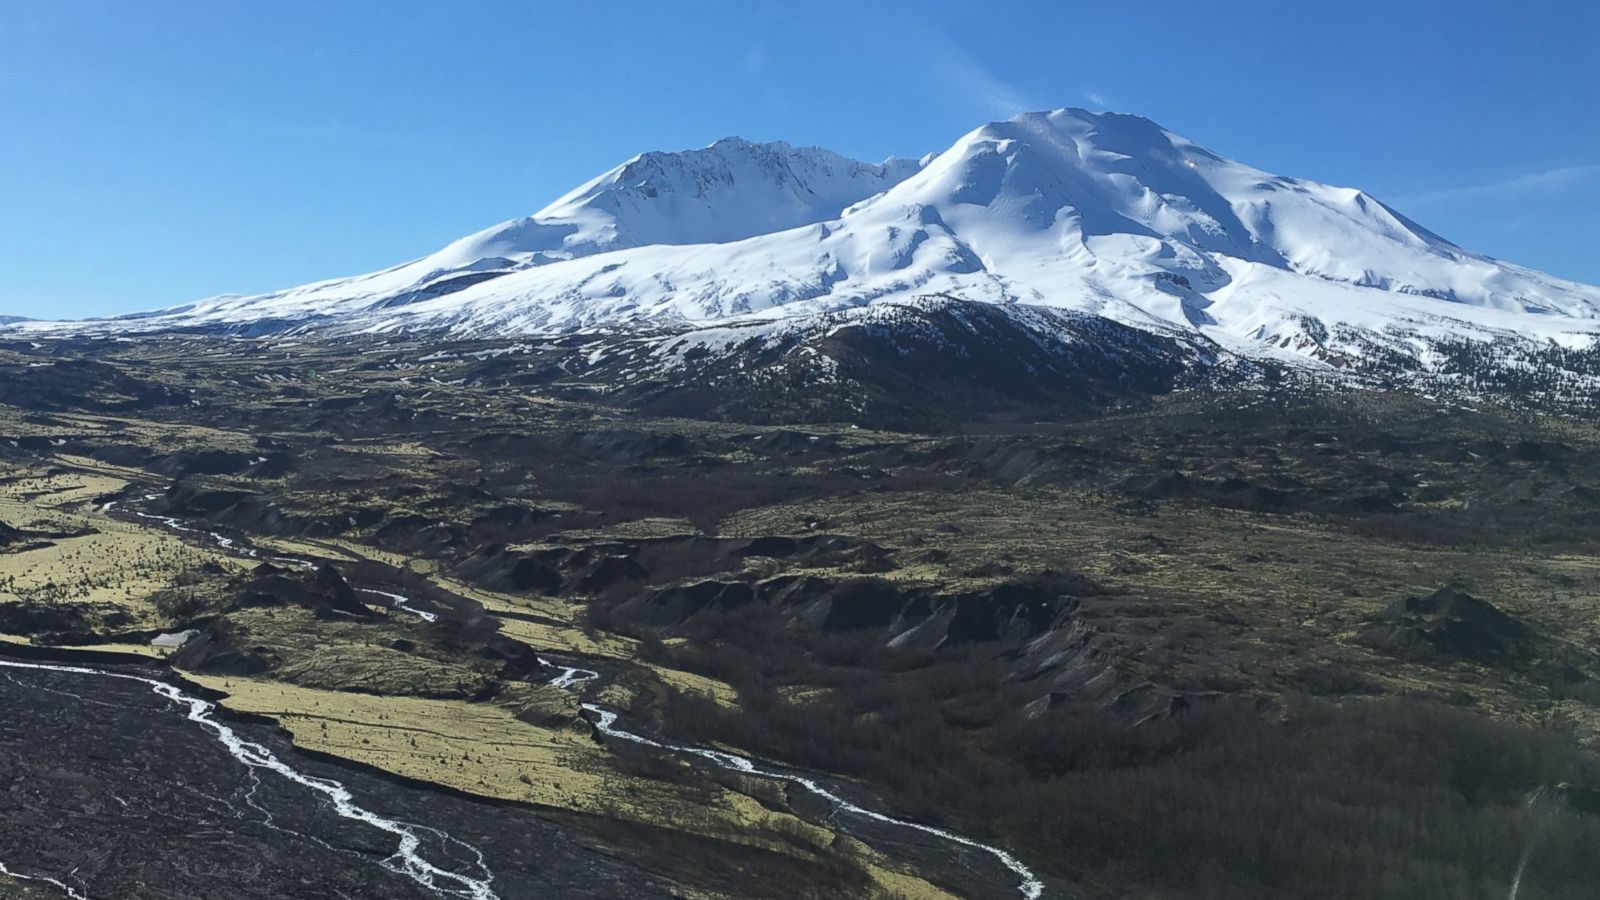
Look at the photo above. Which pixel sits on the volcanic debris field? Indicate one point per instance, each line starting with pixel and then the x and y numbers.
pixel 387 617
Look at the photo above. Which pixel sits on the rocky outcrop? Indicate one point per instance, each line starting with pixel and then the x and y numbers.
pixel 1454 624
pixel 324 592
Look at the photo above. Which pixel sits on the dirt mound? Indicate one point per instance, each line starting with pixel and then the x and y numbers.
pixel 1452 623
pixel 324 592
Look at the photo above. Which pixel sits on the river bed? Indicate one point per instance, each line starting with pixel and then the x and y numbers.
pixel 115 785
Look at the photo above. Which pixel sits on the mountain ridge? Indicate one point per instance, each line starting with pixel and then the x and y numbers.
pixel 1102 213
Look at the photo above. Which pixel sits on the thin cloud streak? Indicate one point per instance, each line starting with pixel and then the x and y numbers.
pixel 1547 180
pixel 985 89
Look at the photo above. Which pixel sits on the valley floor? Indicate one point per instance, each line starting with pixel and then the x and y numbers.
pixel 476 636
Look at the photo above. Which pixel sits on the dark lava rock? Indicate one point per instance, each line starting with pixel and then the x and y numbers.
pixel 611 570
pixel 203 462
pixel 1327 679
pixel 622 445
pixel 510 515
pixel 1537 451
pixel 1160 487
pixel 1451 622
pixel 187 499
pixel 532 574
pixel 80 384
pixel 678 603
pixel 1017 610
pixel 1011 612
pixel 337 593
pixel 773 546
pixel 325 592
pixel 855 603
pixel 632 563
pixel 1580 798
pixel 105 779
pixel 10 537
pixel 18 539
pixel 51 623
pixel 218 650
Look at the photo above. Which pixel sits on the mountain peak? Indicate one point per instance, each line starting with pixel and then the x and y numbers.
pixel 734 142
pixel 1117 126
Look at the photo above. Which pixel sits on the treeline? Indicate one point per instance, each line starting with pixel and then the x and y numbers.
pixel 1381 798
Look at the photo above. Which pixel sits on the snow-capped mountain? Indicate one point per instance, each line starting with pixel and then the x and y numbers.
pixel 1098 213
pixel 730 190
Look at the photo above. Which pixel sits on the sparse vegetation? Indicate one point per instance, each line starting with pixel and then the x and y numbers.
pixel 1148 643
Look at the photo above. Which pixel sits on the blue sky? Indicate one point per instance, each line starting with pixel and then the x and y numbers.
pixel 155 153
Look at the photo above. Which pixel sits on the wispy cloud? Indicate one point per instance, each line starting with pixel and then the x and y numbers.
pixel 755 60
pixel 1553 179
pixel 982 87
pixel 1099 100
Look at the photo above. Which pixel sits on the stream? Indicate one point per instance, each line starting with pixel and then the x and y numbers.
pixel 401 601
pixel 407 859
pixel 476 886
pixel 605 722
pixel 65 888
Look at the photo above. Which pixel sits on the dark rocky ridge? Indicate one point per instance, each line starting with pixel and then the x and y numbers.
pixel 1452 623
